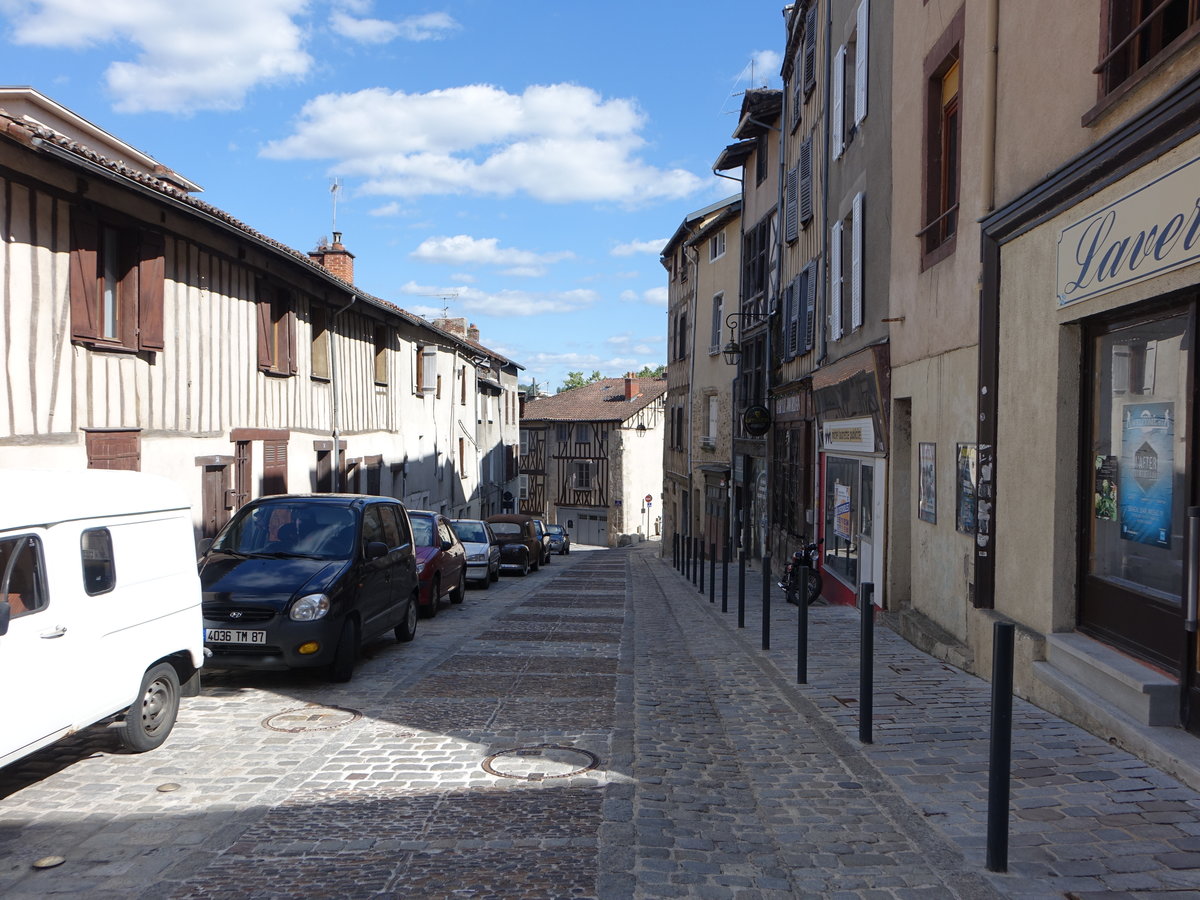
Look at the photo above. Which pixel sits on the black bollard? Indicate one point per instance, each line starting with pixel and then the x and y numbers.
pixel 725 579
pixel 766 605
pixel 866 667
pixel 1000 760
pixel 701 566
pixel 687 566
pixel 742 589
pixel 675 551
pixel 802 628
pixel 712 572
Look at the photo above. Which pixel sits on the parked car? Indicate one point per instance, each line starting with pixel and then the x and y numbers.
pixel 441 560
pixel 99 606
pixel 522 545
pixel 483 553
pixel 560 541
pixel 544 538
pixel 301 580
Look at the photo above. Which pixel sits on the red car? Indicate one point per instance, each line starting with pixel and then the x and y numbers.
pixel 441 561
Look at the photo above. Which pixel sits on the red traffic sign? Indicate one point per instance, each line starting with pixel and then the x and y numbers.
pixel 649 497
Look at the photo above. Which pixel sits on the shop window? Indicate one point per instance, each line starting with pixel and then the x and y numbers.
pixel 842 502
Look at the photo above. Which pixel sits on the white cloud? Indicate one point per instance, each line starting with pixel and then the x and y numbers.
pixel 429 27
pixel 507 303
pixel 656 296
pixel 763 68
pixel 205 56
pixel 462 249
pixel 388 209
pixel 558 143
pixel 634 247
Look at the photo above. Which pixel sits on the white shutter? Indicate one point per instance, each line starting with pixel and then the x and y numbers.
pixel 856 263
pixel 428 370
pixel 837 123
pixel 835 281
pixel 860 63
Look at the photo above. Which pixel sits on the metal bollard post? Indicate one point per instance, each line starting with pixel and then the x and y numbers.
pixel 1000 757
pixel 712 572
pixel 802 628
pixel 675 550
pixel 701 566
pixel 742 589
pixel 866 670
pixel 766 604
pixel 687 566
pixel 725 579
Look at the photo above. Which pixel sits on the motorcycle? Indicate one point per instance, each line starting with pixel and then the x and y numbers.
pixel 807 555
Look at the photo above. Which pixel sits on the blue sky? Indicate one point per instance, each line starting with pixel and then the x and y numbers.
pixel 519 162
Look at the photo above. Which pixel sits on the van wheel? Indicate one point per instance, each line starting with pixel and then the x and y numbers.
pixel 152 715
pixel 346 655
pixel 407 629
pixel 458 594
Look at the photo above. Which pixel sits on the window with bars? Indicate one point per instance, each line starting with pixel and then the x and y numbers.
pixel 1139 32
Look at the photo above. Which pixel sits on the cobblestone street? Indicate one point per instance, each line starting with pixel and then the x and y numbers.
pixel 597 729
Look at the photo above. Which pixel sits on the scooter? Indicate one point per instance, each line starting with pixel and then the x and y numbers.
pixel 808 555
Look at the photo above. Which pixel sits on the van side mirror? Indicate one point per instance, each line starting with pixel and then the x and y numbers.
pixel 5 615
pixel 376 549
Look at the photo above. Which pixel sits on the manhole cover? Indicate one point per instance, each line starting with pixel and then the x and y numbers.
pixel 311 718
pixel 540 762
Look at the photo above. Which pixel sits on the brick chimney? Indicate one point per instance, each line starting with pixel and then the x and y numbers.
pixel 335 257
pixel 473 333
pixel 630 386
pixel 455 326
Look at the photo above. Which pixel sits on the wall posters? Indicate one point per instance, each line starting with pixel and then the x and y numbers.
pixel 1147 468
pixel 927 502
pixel 1106 488
pixel 964 506
pixel 841 510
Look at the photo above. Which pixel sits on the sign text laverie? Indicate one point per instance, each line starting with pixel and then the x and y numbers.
pixel 1151 231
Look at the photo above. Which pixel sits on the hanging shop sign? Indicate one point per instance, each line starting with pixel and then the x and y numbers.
pixel 756 420
pixel 1153 230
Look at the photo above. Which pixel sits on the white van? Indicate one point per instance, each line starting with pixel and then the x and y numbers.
pixel 99 606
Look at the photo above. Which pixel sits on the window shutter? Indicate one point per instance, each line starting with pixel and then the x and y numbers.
pixel 837 119
pixel 151 276
pixel 801 291
pixel 806 181
pixel 810 49
pixel 835 281
pixel 860 62
pixel 789 321
pixel 84 246
pixel 428 369
pixel 264 326
pixel 856 262
pixel 791 212
pixel 289 321
pixel 810 327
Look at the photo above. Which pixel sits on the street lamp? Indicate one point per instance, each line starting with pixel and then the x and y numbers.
pixel 732 351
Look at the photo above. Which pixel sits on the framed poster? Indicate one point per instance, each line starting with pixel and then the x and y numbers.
pixel 964 499
pixel 1147 471
pixel 927 502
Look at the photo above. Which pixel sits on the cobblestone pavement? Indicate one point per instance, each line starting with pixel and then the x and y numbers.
pixel 598 729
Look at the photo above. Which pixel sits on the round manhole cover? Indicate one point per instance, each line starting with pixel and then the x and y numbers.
pixel 311 718
pixel 540 762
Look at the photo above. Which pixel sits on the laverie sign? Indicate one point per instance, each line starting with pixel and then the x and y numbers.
pixel 1153 230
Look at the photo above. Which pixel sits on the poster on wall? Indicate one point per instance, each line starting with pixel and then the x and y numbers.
pixel 841 510
pixel 1147 467
pixel 927 504
pixel 1106 488
pixel 964 515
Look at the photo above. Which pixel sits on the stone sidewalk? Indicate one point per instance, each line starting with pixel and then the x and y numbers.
pixel 1086 819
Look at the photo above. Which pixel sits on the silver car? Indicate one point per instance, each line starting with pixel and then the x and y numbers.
pixel 483 553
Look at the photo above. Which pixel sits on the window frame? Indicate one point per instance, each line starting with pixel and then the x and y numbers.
pixel 382 339
pixel 41 595
pixel 276 316
pixel 938 235
pixel 319 343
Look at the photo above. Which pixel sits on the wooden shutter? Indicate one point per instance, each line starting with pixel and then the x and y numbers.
pixel 806 181
pixel 114 450
pixel 856 260
pixel 150 280
pixel 265 354
pixel 810 49
pixel 835 281
pixel 289 322
pixel 85 239
pixel 810 326
pixel 274 467
pixel 837 118
pixel 860 63
pixel 791 213
pixel 789 321
pixel 800 288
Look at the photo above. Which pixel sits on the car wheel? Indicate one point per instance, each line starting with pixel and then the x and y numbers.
pixel 435 599
pixel 346 655
pixel 152 715
pixel 407 629
pixel 459 593
pixel 494 576
pixel 536 564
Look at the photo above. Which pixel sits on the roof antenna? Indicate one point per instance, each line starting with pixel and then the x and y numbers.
pixel 335 188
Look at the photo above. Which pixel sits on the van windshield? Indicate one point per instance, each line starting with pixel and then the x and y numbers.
pixel 291 529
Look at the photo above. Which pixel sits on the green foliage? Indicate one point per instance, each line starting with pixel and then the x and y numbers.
pixel 576 379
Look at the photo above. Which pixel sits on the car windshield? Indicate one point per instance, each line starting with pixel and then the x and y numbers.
pixel 471 531
pixel 506 528
pixel 422 527
pixel 291 529
pixel 555 529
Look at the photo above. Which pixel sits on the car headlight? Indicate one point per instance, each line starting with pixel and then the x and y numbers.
pixel 477 557
pixel 309 608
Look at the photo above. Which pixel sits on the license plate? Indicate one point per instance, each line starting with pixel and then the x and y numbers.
pixel 234 636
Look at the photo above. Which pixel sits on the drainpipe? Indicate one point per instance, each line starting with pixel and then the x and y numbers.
pixel 824 218
pixel 990 73
pixel 334 385
pixel 693 310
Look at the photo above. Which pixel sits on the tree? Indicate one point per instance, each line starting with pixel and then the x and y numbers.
pixel 576 379
pixel 657 372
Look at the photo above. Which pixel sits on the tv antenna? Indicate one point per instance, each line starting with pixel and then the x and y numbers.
pixel 445 297
pixel 335 188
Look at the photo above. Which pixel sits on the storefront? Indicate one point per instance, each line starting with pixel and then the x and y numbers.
pixel 1088 443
